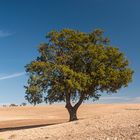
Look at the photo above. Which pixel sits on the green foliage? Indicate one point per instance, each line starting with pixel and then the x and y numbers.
pixel 76 63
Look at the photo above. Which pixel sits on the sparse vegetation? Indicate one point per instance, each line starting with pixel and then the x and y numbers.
pixel 23 104
pixel 13 105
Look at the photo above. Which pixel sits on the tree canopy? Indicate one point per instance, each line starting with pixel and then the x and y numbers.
pixel 76 66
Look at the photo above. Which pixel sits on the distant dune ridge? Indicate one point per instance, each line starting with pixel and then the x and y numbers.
pixel 102 121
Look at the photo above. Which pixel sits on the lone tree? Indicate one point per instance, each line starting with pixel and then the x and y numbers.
pixel 74 66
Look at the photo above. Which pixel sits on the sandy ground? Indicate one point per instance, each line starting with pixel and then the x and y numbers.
pixel 23 116
pixel 97 122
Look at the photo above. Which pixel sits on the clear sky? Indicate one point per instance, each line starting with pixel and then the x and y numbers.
pixel 24 24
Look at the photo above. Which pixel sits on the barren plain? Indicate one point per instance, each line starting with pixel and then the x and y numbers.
pixel 50 122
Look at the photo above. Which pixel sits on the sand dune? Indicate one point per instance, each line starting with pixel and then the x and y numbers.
pixel 96 122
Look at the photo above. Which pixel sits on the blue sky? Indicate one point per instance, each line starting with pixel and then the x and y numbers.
pixel 24 24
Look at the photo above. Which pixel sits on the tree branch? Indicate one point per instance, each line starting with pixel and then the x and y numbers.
pixel 68 103
pixel 80 101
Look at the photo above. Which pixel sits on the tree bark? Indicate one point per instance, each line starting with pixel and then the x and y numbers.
pixel 72 113
pixel 72 110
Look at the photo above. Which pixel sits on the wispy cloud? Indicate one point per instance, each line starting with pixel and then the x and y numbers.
pixel 117 99
pixel 5 33
pixel 135 100
pixel 12 76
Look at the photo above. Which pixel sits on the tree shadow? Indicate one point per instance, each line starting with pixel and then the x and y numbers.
pixel 26 127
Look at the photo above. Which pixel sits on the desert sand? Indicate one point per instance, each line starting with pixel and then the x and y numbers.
pixel 96 122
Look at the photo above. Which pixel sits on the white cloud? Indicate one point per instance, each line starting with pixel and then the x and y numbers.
pixel 5 34
pixel 12 76
pixel 117 99
pixel 135 100
pixel 111 98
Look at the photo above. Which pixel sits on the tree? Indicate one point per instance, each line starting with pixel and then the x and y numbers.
pixel 13 105
pixel 23 104
pixel 76 66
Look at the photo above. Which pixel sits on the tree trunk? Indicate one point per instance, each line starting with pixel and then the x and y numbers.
pixel 73 109
pixel 72 113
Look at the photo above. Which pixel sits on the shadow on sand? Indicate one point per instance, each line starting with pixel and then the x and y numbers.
pixel 25 127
